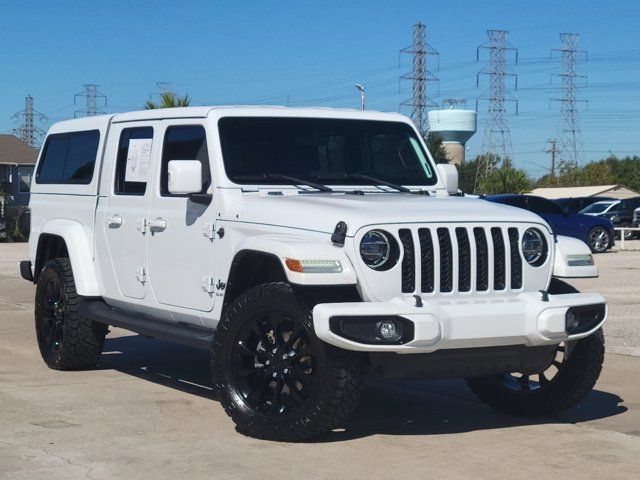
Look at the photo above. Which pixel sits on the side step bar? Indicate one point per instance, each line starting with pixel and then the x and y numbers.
pixel 187 334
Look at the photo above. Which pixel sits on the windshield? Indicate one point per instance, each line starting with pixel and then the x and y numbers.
pixel 597 207
pixel 327 151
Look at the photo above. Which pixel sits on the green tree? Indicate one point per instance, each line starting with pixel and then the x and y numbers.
pixel 434 144
pixel 168 100
pixel 505 180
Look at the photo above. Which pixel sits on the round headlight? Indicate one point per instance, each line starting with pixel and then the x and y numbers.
pixel 534 247
pixel 375 248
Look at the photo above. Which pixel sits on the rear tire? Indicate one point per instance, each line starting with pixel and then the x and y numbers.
pixel 67 341
pixel 275 378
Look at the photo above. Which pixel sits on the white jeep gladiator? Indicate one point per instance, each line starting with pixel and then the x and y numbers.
pixel 305 248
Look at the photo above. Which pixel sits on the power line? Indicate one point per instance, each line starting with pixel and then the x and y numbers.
pixel 29 132
pixel 570 128
pixel 91 96
pixel 420 76
pixel 497 138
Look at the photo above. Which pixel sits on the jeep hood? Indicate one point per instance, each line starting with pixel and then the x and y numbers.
pixel 321 212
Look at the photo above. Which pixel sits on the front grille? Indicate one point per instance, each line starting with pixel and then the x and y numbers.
pixel 460 259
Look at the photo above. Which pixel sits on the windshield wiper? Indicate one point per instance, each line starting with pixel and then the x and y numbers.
pixel 378 181
pixel 292 180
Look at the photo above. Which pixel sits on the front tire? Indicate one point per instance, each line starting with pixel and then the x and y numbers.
pixel 599 239
pixel 275 378
pixel 566 382
pixel 67 341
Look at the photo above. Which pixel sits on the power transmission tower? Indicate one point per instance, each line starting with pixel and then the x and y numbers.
pixel 91 96
pixel 497 138
pixel 570 142
pixel 29 132
pixel 553 150
pixel 420 76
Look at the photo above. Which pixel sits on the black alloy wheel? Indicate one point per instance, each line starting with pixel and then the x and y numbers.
pixel 274 363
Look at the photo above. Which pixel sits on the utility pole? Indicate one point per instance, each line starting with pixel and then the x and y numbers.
pixel 570 143
pixel 497 137
pixel 362 96
pixel 420 76
pixel 29 132
pixel 91 96
pixel 553 150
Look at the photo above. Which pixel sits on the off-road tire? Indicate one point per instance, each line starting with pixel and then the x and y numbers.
pixel 572 384
pixel 340 372
pixel 81 339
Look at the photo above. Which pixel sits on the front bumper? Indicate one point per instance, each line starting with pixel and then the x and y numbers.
pixel 519 319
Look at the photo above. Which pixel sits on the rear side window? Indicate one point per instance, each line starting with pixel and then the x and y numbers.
pixel 69 158
pixel 542 205
pixel 133 163
pixel 185 142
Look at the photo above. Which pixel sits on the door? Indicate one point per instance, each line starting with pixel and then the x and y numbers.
pixel 180 248
pixel 127 206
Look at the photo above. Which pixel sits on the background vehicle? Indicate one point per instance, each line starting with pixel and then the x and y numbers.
pixel 622 215
pixel 3 230
pixel 636 218
pixel 575 204
pixel 597 232
pixel 599 208
pixel 303 248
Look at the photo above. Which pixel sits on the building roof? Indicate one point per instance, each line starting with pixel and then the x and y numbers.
pixel 614 191
pixel 14 151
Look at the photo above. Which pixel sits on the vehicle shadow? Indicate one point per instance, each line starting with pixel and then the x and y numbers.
pixel 398 407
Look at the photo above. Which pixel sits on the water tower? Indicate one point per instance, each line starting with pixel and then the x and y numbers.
pixel 455 127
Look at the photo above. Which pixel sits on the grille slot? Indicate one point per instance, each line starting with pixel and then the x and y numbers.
pixel 516 260
pixel 464 260
pixel 408 261
pixel 482 260
pixel 426 260
pixel 446 260
pixel 498 259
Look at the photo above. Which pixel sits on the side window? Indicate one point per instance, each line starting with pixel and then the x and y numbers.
pixel 133 162
pixel 24 179
pixel 69 158
pixel 185 142
pixel 542 205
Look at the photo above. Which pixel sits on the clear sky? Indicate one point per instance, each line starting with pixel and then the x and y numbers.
pixel 310 53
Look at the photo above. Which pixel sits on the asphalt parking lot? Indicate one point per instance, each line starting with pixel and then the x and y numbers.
pixel 148 412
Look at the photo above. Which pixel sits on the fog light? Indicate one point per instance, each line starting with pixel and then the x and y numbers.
pixel 572 322
pixel 387 330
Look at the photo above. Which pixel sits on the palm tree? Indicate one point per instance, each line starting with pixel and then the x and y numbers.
pixel 505 180
pixel 168 100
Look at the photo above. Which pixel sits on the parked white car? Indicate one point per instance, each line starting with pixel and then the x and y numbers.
pixel 303 248
pixel 598 208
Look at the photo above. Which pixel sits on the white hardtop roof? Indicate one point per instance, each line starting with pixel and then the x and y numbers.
pixel 257 110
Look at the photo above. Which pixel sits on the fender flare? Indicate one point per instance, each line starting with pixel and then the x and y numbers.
pixel 80 255
pixel 301 248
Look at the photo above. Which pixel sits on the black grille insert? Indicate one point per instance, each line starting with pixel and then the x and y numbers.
pixel 464 260
pixel 446 260
pixel 498 259
pixel 408 261
pixel 426 260
pixel 516 260
pixel 482 259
